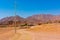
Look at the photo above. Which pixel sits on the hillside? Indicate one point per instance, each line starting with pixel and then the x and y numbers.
pixel 11 20
pixel 32 20
pixel 43 18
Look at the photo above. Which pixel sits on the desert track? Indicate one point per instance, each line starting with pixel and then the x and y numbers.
pixel 28 35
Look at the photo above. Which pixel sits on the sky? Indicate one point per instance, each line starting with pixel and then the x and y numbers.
pixel 25 8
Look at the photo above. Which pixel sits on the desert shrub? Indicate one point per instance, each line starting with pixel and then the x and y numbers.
pixel 31 25
pixel 39 23
pixel 58 21
pixel 3 26
pixel 10 22
pixel 24 24
pixel 47 22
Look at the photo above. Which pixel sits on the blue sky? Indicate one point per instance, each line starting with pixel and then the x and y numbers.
pixel 27 8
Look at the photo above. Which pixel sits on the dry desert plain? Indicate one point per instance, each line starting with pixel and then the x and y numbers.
pixel 38 32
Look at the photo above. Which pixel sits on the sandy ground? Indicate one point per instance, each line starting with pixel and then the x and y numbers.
pixel 29 35
pixel 23 34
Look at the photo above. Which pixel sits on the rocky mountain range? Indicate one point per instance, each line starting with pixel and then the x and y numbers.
pixel 34 19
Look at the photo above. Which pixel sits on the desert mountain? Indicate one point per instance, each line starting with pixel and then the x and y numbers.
pixel 6 20
pixel 43 18
pixel 34 19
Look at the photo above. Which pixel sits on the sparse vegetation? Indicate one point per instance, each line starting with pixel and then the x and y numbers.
pixel 39 23
pixel 3 26
pixel 24 24
pixel 32 19
pixel 10 22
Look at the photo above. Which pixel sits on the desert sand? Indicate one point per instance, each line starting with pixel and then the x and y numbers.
pixel 39 32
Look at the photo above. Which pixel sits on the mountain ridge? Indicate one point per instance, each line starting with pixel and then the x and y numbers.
pixel 34 19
